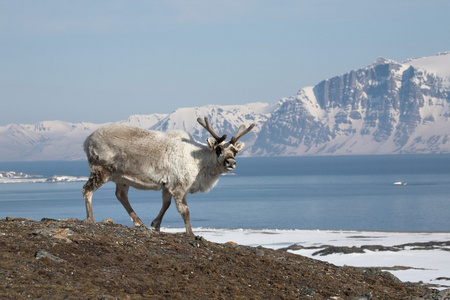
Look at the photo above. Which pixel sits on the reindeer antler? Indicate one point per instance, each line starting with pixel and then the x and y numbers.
pixel 241 132
pixel 206 125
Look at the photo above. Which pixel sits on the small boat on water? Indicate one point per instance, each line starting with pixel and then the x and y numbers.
pixel 400 183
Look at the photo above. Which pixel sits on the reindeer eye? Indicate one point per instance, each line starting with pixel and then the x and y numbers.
pixel 219 151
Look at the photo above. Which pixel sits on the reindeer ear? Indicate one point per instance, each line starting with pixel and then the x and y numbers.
pixel 239 146
pixel 212 143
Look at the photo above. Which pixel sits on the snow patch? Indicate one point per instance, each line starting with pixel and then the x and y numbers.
pixel 20 177
pixel 429 265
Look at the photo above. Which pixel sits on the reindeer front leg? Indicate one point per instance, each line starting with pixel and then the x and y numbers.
pixel 183 209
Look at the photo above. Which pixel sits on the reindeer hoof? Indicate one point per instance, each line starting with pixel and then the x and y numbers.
pixel 155 226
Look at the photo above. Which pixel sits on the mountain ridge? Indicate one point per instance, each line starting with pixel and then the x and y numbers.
pixel 386 107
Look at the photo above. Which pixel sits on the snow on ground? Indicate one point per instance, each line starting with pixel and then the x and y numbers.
pixel 429 264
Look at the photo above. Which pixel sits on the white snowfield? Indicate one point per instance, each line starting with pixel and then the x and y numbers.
pixel 437 65
pixel 418 263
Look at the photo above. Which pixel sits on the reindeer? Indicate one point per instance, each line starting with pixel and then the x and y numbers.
pixel 153 160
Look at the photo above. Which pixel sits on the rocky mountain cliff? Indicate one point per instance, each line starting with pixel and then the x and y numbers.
pixel 385 108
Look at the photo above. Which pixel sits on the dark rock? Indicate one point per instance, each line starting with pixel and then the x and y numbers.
pixel 338 249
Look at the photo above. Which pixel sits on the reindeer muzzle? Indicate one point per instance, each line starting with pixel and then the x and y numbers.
pixel 230 164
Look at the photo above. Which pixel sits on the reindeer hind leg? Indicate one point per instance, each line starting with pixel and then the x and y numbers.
pixel 166 200
pixel 96 180
pixel 122 196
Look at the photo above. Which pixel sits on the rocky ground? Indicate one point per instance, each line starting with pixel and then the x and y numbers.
pixel 72 259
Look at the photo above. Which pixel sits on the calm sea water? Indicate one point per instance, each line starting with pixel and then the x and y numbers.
pixel 348 193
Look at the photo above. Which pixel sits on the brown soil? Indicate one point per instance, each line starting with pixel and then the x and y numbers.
pixel 72 259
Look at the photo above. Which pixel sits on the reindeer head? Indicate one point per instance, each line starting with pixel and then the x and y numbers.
pixel 225 151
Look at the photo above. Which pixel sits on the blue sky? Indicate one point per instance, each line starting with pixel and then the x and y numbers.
pixel 101 61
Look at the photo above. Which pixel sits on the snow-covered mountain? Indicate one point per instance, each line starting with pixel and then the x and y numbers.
pixel 387 107
pixel 48 140
pixel 223 119
pixel 384 108
pixel 59 140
